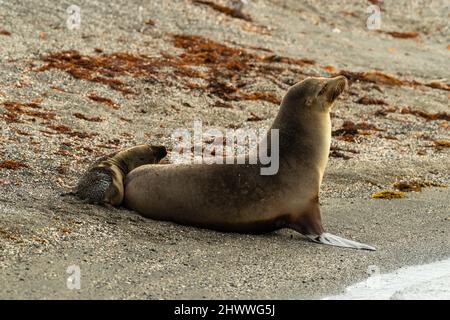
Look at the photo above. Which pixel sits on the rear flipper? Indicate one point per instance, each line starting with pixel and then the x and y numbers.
pixel 332 240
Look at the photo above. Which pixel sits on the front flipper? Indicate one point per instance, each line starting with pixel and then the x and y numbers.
pixel 332 240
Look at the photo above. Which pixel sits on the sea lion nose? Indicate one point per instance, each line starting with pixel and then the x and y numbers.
pixel 335 86
pixel 340 81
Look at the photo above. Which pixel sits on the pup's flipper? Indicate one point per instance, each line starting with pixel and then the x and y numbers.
pixel 332 240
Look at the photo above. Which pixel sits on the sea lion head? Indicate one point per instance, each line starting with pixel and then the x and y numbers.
pixel 316 94
pixel 139 155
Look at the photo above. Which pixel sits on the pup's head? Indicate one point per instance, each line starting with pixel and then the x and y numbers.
pixel 316 94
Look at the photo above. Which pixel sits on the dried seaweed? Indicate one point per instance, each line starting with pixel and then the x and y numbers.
pixel 232 12
pixel 329 68
pixel 401 35
pixel 12 165
pixel 416 186
pixel 62 129
pixel 265 96
pixel 388 136
pixel 101 69
pixel 84 117
pixel 287 60
pixel 5 234
pixel 338 154
pixel 419 113
pixel 438 85
pixel 107 101
pixel 388 194
pixel 373 76
pixel 226 65
pixel 368 100
pixel 21 132
pixel 426 115
pixel 254 117
pixel 226 68
pixel 58 88
pixel 350 13
pixel 384 111
pixel 440 144
pixel 405 186
pixel 15 109
pixel 378 77
pixel 220 104
pixel 350 128
pixel 367 126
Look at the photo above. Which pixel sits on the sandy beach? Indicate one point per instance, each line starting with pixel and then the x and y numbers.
pixel 132 72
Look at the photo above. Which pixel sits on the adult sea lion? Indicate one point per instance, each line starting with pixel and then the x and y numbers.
pixel 236 197
pixel 103 182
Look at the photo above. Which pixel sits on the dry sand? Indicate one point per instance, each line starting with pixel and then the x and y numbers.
pixel 122 255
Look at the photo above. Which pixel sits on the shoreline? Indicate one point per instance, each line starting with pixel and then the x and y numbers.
pixel 419 282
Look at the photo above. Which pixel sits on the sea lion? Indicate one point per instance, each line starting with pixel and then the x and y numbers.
pixel 103 182
pixel 237 198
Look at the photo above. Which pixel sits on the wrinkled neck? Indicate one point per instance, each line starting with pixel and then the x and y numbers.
pixel 121 165
pixel 304 138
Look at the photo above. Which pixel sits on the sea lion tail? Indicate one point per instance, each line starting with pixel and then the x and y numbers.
pixel 332 240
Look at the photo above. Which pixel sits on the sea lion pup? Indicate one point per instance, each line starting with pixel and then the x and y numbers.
pixel 237 198
pixel 103 182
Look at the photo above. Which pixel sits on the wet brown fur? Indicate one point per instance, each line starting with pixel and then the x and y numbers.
pixel 103 182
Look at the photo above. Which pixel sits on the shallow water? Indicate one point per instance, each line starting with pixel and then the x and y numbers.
pixel 429 282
